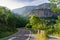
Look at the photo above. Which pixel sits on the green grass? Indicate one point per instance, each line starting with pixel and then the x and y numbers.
pixel 4 34
pixel 56 34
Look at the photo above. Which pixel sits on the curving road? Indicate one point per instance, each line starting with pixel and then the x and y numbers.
pixel 22 34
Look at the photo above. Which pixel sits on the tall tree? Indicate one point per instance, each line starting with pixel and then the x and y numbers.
pixel 55 5
pixel 36 23
pixel 56 9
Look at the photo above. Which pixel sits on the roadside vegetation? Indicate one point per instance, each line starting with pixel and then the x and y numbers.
pixel 9 22
pixel 42 27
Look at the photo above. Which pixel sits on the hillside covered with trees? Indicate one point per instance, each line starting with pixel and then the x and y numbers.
pixel 9 22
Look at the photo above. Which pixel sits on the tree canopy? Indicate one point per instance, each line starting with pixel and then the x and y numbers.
pixel 55 5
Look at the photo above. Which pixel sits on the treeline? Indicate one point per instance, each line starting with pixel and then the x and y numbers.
pixel 9 21
pixel 50 26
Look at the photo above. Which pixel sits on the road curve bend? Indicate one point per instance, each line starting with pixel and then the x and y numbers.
pixel 22 34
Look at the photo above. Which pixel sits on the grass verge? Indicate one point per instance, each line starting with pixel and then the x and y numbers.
pixel 41 36
pixel 6 34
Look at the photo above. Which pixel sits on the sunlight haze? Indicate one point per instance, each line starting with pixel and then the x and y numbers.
pixel 12 4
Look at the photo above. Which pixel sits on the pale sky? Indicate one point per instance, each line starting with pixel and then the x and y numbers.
pixel 12 4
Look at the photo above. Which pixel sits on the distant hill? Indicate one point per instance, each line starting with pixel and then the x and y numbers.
pixel 28 9
pixel 24 10
pixel 44 6
pixel 42 10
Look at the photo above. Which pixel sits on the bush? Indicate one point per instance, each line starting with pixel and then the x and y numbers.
pixel 28 26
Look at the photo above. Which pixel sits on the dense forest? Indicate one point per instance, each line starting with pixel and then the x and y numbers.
pixel 10 21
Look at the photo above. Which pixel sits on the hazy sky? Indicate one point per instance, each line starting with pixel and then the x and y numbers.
pixel 12 4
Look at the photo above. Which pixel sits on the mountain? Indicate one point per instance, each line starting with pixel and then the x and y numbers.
pixel 24 10
pixel 44 6
pixel 42 10
pixel 27 9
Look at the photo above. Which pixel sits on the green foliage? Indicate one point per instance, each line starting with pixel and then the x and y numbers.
pixel 57 25
pixel 56 28
pixel 9 21
pixel 35 23
pixel 34 19
pixel 5 14
pixel 55 5
pixel 4 34
pixel 21 21
pixel 28 25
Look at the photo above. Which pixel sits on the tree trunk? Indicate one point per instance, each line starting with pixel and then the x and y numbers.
pixel 38 32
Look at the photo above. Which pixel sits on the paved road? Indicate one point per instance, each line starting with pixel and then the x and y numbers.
pixel 20 35
pixel 23 34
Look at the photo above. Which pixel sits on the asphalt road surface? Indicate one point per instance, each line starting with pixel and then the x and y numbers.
pixel 22 34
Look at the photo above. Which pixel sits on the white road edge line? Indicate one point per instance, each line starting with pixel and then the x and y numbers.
pixel 53 36
pixel 29 35
pixel 12 38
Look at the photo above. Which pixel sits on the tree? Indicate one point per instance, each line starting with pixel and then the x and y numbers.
pixel 5 14
pixel 55 5
pixel 36 23
pixel 56 9
pixel 57 25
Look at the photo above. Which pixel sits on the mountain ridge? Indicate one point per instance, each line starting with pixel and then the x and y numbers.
pixel 24 11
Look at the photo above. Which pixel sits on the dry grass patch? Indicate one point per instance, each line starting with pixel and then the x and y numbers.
pixel 41 36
